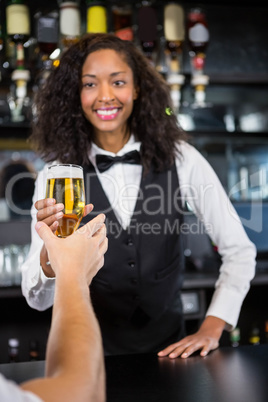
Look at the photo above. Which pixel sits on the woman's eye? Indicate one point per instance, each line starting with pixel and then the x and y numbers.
pixel 88 84
pixel 119 83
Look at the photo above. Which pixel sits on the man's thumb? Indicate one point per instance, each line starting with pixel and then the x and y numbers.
pixel 43 231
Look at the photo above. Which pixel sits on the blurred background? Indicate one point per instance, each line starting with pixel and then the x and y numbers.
pixel 214 57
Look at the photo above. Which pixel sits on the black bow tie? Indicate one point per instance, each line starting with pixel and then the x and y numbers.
pixel 104 162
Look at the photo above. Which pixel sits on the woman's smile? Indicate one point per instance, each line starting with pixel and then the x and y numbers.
pixel 107 113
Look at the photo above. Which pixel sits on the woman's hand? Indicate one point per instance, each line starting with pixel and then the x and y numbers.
pixel 49 212
pixel 205 339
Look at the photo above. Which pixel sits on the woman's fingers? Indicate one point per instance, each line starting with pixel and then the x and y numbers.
pixel 49 212
pixel 88 208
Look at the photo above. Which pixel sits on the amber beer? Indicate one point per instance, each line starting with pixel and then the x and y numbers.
pixel 65 183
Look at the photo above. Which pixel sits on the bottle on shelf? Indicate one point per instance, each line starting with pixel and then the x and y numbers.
pixel 200 83
pixel 254 335
pixel 147 29
pixel 33 350
pixel 18 32
pixel 235 337
pixel 20 76
pixel 266 331
pixel 1 45
pixel 174 32
pixel 10 269
pixel 97 18
pixel 69 23
pixel 13 350
pixel 17 27
pixel 161 59
pixel 18 20
pixel 47 34
pixel 198 39
pixel 6 269
pixel 122 20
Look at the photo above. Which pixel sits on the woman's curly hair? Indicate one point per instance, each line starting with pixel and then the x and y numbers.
pixel 60 130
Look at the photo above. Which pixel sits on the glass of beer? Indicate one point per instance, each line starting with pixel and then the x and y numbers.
pixel 65 183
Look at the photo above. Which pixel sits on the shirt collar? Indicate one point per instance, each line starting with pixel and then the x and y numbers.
pixel 131 145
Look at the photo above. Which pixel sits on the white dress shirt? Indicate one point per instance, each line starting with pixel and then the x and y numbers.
pixel 11 392
pixel 202 190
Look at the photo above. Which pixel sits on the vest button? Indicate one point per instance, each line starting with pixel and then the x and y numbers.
pixel 130 242
pixel 134 281
pixel 131 264
pixel 136 297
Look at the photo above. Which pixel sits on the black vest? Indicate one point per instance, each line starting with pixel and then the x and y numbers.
pixel 136 295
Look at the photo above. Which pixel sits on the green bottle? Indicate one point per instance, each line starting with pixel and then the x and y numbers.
pixel 235 337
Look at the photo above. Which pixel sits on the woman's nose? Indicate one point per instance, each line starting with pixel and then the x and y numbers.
pixel 105 93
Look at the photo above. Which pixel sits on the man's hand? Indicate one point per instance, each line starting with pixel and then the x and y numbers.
pixel 80 254
pixel 49 212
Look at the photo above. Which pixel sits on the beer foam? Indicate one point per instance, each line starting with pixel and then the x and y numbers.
pixel 63 171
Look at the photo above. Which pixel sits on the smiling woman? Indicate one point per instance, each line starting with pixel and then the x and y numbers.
pixel 59 112
pixel 105 101
pixel 107 97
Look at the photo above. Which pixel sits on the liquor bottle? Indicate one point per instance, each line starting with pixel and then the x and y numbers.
pixel 18 20
pixel 147 29
pixel 96 17
pixel 174 33
pixel 266 331
pixel 254 336
pixel 198 37
pixel 200 82
pixel 13 350
pixel 161 60
pixel 47 27
pixel 1 45
pixel 33 350
pixel 20 77
pixel 235 337
pixel 122 21
pixel 70 23
pixel 17 28
pixel 47 32
pixel 6 271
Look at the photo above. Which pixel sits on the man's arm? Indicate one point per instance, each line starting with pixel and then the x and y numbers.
pixel 74 360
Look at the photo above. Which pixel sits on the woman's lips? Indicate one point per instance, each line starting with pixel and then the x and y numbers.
pixel 107 114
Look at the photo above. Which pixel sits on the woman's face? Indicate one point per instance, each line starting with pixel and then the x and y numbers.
pixel 108 92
